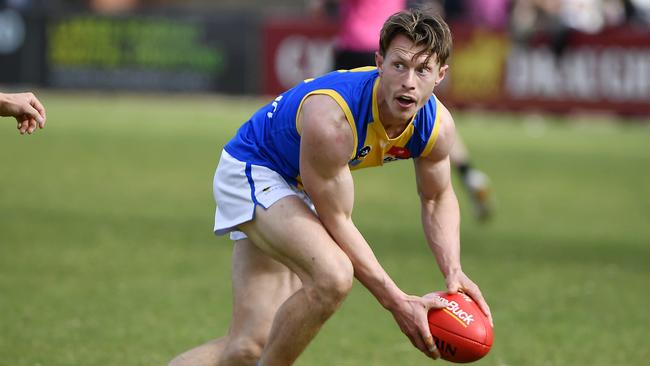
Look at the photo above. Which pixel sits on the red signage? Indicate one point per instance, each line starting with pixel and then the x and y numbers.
pixel 609 71
pixel 294 51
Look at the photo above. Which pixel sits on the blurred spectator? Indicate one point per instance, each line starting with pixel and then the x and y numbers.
pixel 490 13
pixel 590 16
pixel 486 13
pixel 638 11
pixel 557 18
pixel 113 6
pixel 359 25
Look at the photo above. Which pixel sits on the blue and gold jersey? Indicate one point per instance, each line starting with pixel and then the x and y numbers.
pixel 271 138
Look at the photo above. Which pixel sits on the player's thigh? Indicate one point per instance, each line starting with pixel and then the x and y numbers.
pixel 291 233
pixel 260 285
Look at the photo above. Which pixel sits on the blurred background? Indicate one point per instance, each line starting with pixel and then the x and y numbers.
pixel 106 250
pixel 532 54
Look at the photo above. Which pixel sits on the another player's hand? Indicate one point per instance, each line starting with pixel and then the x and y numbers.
pixel 411 316
pixel 459 282
pixel 26 108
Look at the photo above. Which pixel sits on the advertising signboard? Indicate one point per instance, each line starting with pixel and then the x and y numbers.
pixel 151 52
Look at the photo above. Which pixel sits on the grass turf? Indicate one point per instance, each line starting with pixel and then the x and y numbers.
pixel 107 255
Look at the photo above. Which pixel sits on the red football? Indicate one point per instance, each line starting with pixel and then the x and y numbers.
pixel 461 331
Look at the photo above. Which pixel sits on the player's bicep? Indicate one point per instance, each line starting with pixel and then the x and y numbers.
pixel 326 144
pixel 432 177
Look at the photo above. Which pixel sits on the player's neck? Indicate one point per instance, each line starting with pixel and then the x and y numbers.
pixel 395 128
pixel 392 125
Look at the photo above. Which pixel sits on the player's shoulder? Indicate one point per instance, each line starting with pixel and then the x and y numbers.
pixel 349 85
pixel 340 95
pixel 325 128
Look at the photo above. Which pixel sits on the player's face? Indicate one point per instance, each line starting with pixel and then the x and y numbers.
pixel 406 82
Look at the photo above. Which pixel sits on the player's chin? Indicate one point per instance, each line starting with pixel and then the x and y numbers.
pixel 407 114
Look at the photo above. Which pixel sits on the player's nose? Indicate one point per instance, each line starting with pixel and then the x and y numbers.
pixel 408 80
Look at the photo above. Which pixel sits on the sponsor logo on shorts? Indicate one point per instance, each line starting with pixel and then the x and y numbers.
pixel 268 189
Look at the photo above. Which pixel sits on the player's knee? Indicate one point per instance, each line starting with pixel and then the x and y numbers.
pixel 333 284
pixel 242 351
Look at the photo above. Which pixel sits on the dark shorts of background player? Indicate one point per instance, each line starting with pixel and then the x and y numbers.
pixel 346 60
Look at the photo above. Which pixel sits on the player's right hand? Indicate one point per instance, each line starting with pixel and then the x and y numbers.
pixel 459 282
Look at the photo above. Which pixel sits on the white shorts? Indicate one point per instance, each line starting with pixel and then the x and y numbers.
pixel 238 187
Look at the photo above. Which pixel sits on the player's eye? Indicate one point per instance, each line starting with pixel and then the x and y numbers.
pixel 424 70
pixel 398 65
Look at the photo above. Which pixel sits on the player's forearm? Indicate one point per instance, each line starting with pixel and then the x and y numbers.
pixel 367 268
pixel 441 223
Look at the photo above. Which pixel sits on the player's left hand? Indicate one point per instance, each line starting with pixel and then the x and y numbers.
pixel 26 108
pixel 411 316
pixel 459 282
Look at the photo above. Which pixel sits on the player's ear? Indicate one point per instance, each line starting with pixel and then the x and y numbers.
pixel 379 61
pixel 441 74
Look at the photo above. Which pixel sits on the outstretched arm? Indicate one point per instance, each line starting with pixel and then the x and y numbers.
pixel 440 212
pixel 26 108
pixel 326 145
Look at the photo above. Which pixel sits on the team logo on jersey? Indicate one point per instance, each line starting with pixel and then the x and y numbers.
pixel 361 154
pixel 397 153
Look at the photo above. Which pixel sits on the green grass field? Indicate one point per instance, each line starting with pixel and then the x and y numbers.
pixel 107 255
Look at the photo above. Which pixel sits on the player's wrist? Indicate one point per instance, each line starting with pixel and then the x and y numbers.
pixel 394 301
pixel 451 271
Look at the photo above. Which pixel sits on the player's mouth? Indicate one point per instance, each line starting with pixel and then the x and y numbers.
pixel 405 101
